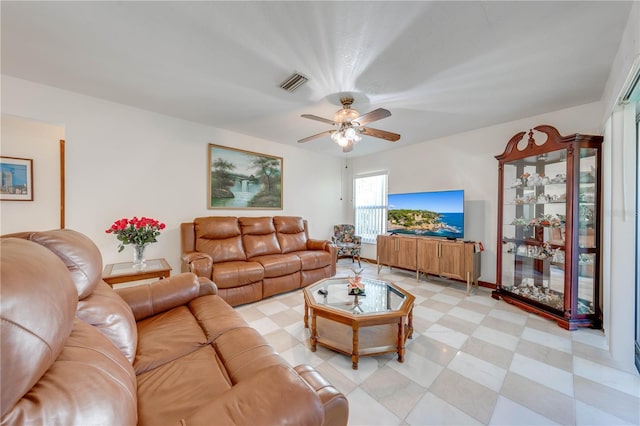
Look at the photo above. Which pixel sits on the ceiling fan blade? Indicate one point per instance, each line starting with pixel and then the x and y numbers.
pixel 319 135
pixel 382 134
pixel 315 117
pixel 376 114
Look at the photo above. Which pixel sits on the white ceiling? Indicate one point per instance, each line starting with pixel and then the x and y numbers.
pixel 440 67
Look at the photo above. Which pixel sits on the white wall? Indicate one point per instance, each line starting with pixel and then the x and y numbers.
pixel 39 142
pixel 124 162
pixel 466 161
pixel 619 191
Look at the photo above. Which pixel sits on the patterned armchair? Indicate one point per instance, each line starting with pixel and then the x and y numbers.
pixel 348 244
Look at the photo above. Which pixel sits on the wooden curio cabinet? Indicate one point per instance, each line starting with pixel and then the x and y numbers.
pixel 549 204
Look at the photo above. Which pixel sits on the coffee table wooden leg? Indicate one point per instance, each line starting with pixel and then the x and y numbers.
pixel 401 340
pixel 313 340
pixel 354 352
pixel 306 314
pixel 410 324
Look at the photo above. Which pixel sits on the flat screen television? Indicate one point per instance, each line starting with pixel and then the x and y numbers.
pixel 433 214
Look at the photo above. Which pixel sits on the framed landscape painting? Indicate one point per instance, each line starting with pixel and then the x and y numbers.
pixel 241 179
pixel 17 179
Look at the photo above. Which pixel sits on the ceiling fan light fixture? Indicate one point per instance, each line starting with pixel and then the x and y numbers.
pixel 350 133
pixel 345 115
pixel 339 138
pixel 346 136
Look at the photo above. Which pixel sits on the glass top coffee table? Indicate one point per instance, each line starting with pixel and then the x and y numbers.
pixel 380 321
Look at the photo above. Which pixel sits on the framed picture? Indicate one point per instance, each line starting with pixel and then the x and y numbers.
pixel 17 179
pixel 241 179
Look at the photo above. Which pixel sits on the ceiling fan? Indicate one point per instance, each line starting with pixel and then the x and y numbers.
pixel 350 125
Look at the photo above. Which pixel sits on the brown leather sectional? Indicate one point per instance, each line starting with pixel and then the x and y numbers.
pixel 251 258
pixel 77 352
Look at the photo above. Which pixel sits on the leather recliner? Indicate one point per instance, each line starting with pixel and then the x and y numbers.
pixel 251 258
pixel 77 352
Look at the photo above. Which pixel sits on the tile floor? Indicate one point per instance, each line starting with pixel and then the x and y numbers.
pixel 472 360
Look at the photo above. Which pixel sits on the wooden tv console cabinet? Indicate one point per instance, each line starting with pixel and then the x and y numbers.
pixel 450 259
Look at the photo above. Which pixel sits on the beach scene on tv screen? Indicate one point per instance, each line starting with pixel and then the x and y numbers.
pixel 435 214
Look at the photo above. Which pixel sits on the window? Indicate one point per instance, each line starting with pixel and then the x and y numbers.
pixel 370 205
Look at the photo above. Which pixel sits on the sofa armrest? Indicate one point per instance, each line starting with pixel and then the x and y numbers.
pixel 317 244
pixel 207 286
pixel 275 395
pixel 199 263
pixel 326 246
pixel 150 299
pixel 336 406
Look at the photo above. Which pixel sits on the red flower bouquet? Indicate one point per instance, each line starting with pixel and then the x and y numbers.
pixel 138 231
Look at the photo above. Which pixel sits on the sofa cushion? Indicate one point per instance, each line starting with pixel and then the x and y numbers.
pixel 259 236
pixel 241 295
pixel 110 314
pixel 288 224
pixel 81 256
pixel 277 265
pixel 244 352
pixel 291 233
pixel 37 309
pixel 289 400
pixel 257 225
pixel 314 259
pixel 235 274
pixel 283 284
pixel 217 227
pixel 166 337
pixel 220 238
pixel 215 316
pixel 313 275
pixel 195 380
pixel 90 383
pixel 260 245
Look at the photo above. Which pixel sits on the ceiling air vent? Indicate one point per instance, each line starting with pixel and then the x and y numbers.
pixel 294 81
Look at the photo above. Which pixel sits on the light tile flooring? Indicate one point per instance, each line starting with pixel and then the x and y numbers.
pixel 472 360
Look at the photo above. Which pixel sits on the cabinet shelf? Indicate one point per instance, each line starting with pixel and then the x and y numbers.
pixel 535 226
pixel 545 259
pixel 534 203
pixel 543 185
pixel 548 242
pixel 531 242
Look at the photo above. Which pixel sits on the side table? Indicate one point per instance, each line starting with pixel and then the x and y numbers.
pixel 116 273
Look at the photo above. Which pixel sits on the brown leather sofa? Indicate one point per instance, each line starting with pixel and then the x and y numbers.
pixel 251 258
pixel 77 352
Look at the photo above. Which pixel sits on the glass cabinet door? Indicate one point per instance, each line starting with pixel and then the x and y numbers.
pixel 534 216
pixel 587 220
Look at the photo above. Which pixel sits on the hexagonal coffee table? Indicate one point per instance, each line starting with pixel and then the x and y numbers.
pixel 380 322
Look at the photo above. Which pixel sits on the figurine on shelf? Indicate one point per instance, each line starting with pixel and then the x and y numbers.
pixel 546 251
pixel 356 286
pixel 545 220
pixel 534 180
pixel 519 221
pixel 560 178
